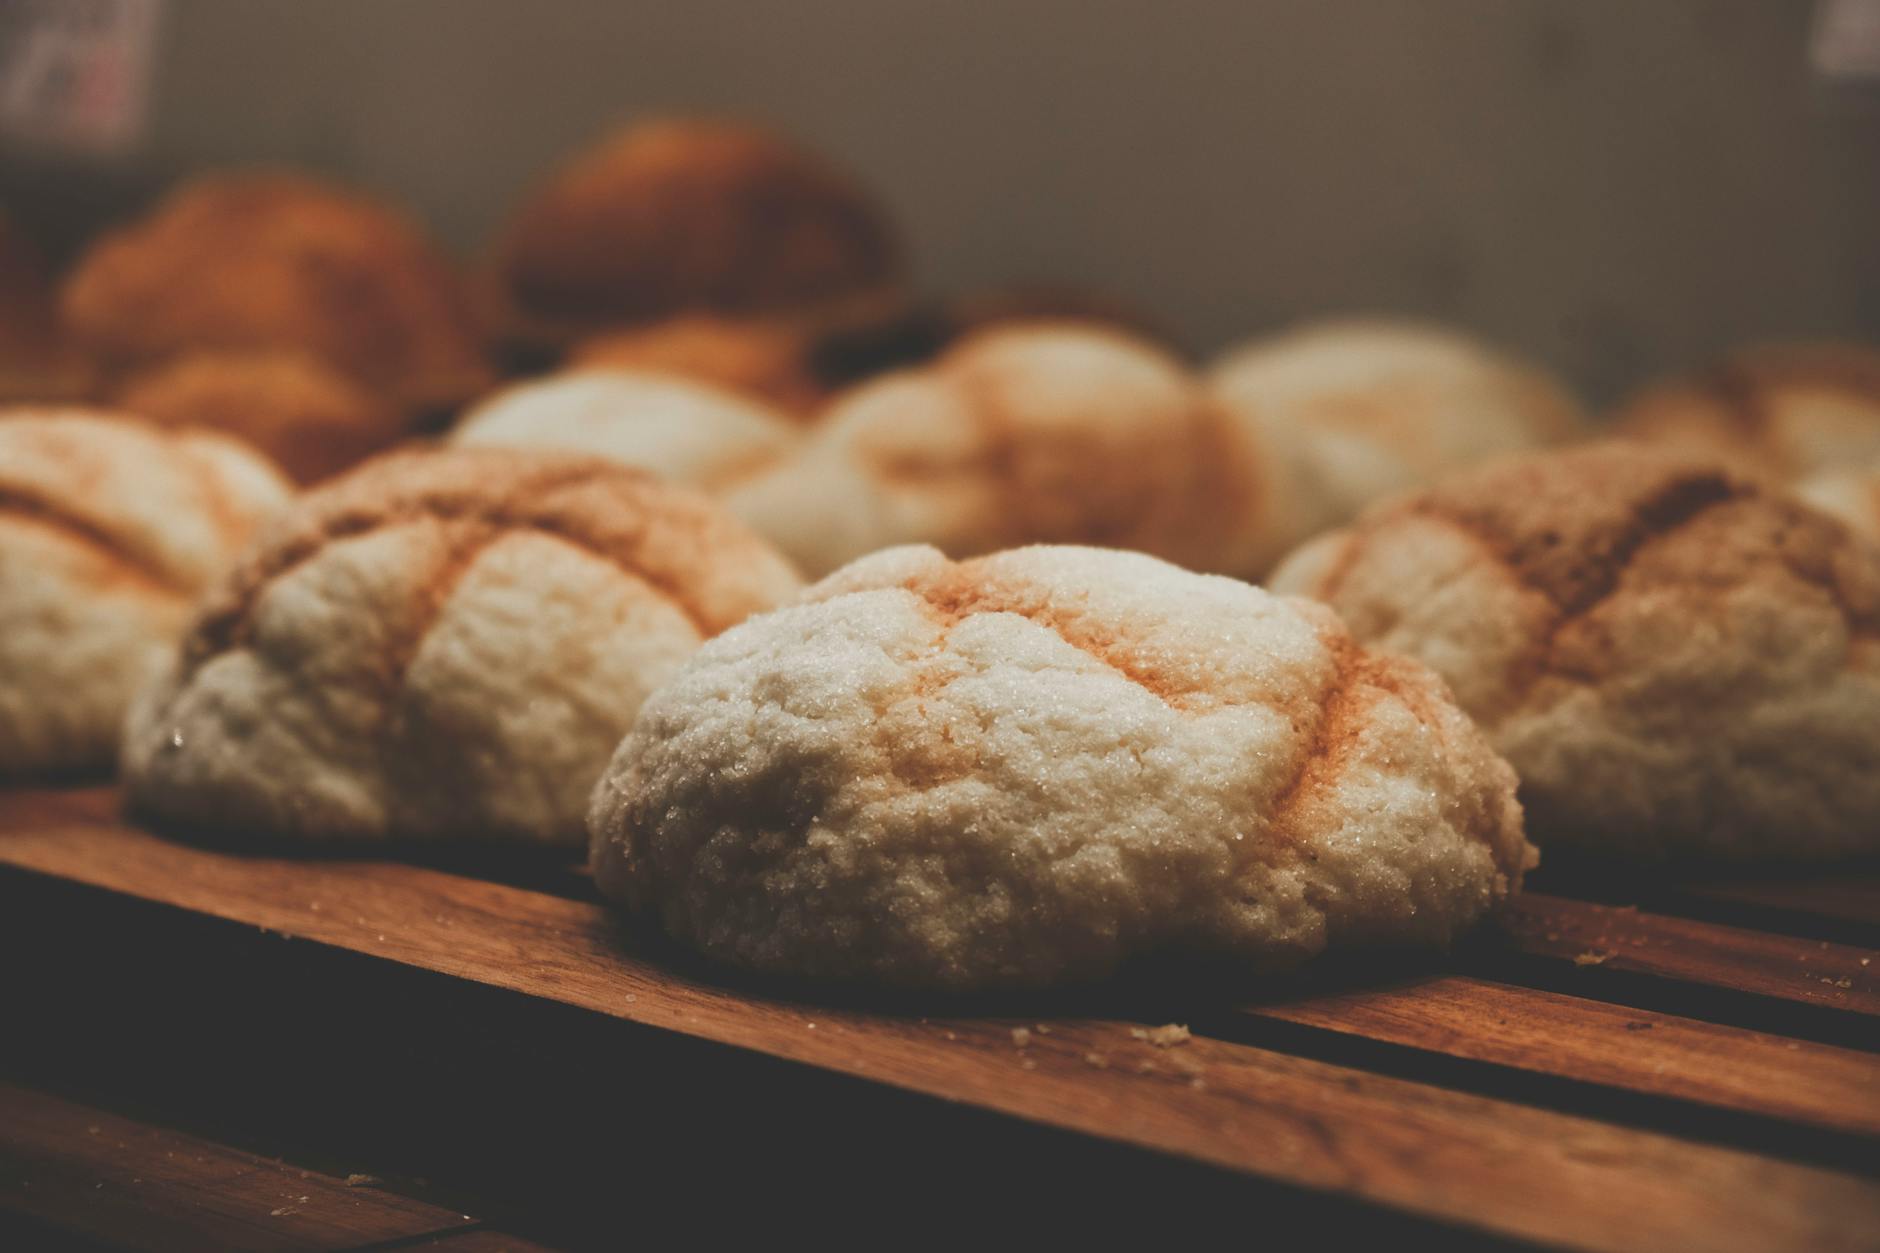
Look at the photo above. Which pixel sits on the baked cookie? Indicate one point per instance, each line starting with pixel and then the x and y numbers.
pixel 685 216
pixel 683 431
pixel 440 644
pixel 312 419
pixel 1853 496
pixel 1352 411
pixel 1031 767
pixel 1779 411
pixel 1032 434
pixel 263 261
pixel 1678 662
pixel 770 362
pixel 109 530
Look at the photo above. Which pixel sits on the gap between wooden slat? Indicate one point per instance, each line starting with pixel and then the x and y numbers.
pixel 1505 1167
pixel 1592 1041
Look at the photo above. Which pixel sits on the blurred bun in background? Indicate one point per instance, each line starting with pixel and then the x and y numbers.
pixel 265 261
pixel 311 418
pixel 769 361
pixel 1779 410
pixel 1027 434
pixel 1354 410
pixel 681 430
pixel 685 216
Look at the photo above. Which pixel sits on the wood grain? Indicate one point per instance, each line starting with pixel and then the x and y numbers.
pixel 110 1179
pixel 1462 1158
pixel 1620 938
pixel 1595 1042
pixel 1853 900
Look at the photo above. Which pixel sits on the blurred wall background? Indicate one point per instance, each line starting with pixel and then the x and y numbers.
pixel 1615 186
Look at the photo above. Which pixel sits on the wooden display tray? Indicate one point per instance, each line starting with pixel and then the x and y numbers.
pixel 1692 1069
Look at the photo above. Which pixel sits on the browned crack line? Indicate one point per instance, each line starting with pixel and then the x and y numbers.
pixel 227 625
pixel 55 516
pixel 966 601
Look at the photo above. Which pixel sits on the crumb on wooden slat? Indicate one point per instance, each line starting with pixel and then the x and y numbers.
pixel 1591 958
pixel 1021 1036
pixel 1166 1036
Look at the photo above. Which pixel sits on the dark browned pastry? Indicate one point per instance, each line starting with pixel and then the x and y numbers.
pixel 281 261
pixel 767 360
pixel 313 420
pixel 686 216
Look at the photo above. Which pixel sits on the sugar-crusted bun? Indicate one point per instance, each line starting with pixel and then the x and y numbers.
pixel 1033 434
pixel 1677 661
pixel 109 529
pixel 1779 411
pixel 313 420
pixel 680 430
pixel 769 361
pixel 1351 411
pixel 1853 496
pixel 440 644
pixel 1033 766
pixel 280 261
pixel 684 216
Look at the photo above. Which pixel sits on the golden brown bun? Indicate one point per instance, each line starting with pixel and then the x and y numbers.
pixel 1778 411
pixel 443 643
pixel 1677 660
pixel 1018 435
pixel 109 530
pixel 260 261
pixel 313 420
pixel 682 216
pixel 765 360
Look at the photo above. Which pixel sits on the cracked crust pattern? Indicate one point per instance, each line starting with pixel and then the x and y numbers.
pixel 265 262
pixel 1031 434
pixel 1676 660
pixel 109 529
pixel 441 643
pixel 1775 411
pixel 1032 766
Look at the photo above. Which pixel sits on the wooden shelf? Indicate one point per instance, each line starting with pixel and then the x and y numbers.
pixel 1593 1076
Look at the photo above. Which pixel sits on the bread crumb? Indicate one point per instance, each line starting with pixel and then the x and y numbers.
pixel 1166 1036
pixel 282 1211
pixel 1044 1028
pixel 362 1181
pixel 1098 1060
pixel 1021 1036
pixel 1027 1064
pixel 1591 958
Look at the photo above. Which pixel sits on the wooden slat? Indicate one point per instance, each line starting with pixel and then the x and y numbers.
pixel 1619 938
pixel 94 1174
pixel 1592 1041
pixel 1464 1158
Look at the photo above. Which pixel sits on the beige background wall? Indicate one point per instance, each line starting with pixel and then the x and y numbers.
pixel 1612 184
